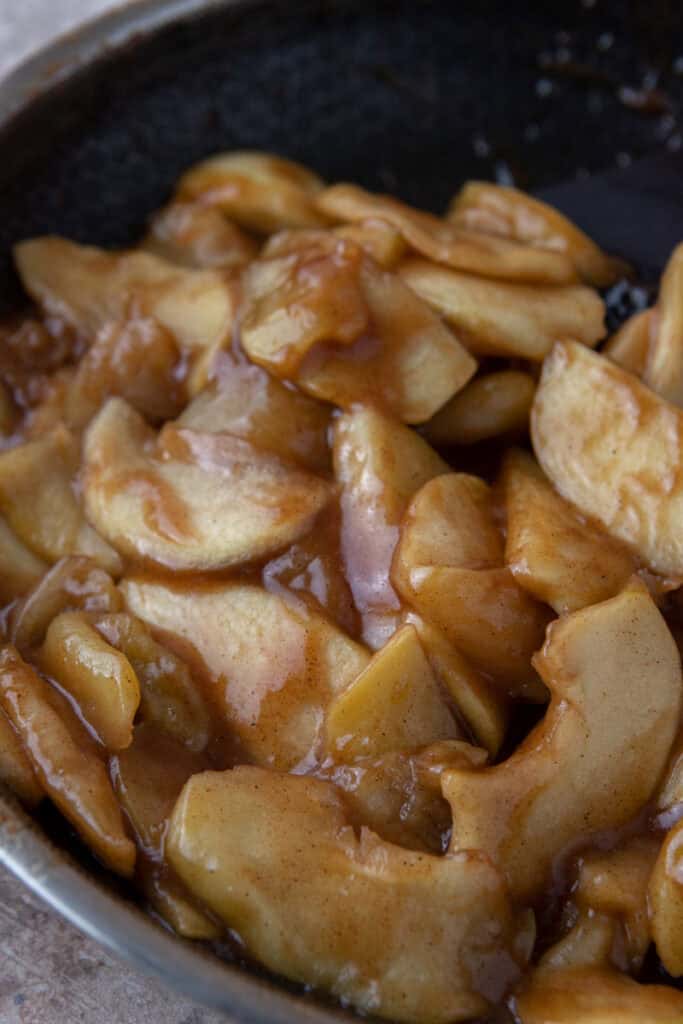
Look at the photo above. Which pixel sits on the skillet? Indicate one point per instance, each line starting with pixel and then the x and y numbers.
pixel 407 97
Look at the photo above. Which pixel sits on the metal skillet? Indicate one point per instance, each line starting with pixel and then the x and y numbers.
pixel 407 97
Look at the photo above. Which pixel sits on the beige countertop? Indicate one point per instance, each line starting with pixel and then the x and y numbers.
pixel 49 972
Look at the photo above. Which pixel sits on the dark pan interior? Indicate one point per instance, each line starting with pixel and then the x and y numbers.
pixel 404 96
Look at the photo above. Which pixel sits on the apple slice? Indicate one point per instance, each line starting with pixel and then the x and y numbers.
pixel 552 551
pixel 260 191
pixel 99 678
pixel 16 770
pixel 20 569
pixel 665 900
pixel 471 251
pixel 630 346
pixel 271 667
pixel 394 933
pixel 490 405
pixel 382 242
pixel 502 318
pixel 596 758
pixel 199 502
pixel 613 448
pixel 193 235
pixel 394 705
pixel 65 761
pixel 664 368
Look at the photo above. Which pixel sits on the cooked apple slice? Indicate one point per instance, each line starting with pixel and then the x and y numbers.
pixel 593 762
pixel 595 996
pixel 630 346
pixel 510 213
pixel 472 251
pixel 665 898
pixel 171 901
pixel 612 447
pixel 395 705
pixel 491 405
pixel 16 770
pixel 261 192
pixel 394 933
pixel 169 696
pixel 38 502
pixel 100 679
pixel 247 402
pixel 664 369
pixel 65 760
pixel 448 566
pixel 200 502
pixel 380 240
pixel 501 318
pixel 480 703
pixel 552 551
pixel 271 667
pixel 194 235
pixel 319 311
pixel 73 584
pixel 379 464
pixel 20 569
pixel 89 287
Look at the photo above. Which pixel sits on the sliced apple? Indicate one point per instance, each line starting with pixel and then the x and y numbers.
pixel 271 667
pixel 247 402
pixel 380 240
pixel 502 318
pixel 169 696
pixel 260 191
pixel 201 502
pixel 379 464
pixel 394 705
pixel 75 583
pixel 194 235
pixel 472 251
pixel 665 899
pixel 595 759
pixel 16 770
pixel 664 368
pixel 614 449
pixel 100 679
pixel 553 552
pixel 629 347
pixel 394 933
pixel 20 569
pixel 90 287
pixel 38 502
pixel 489 406
pixel 171 901
pixel 510 213
pixel 65 761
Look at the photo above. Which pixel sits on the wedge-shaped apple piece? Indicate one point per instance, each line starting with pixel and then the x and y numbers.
pixel 100 679
pixel 472 251
pixel 594 761
pixel 271 667
pixel 319 311
pixel 16 770
pixel 259 191
pixel 89 287
pixel 448 566
pixel 169 696
pixel 194 235
pixel 394 933
pixel 201 501
pixel 630 346
pixel 478 701
pixel 171 901
pixel 38 502
pixel 614 449
pixel 20 569
pixel 501 318
pixel 65 760
pixel 137 360
pixel 665 897
pixel 379 464
pixel 664 369
pixel 510 213
pixel 73 584
pixel 552 551
pixel 395 705
pixel 247 402
pixel 595 996
pixel 588 943
pixel 380 240
pixel 491 405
